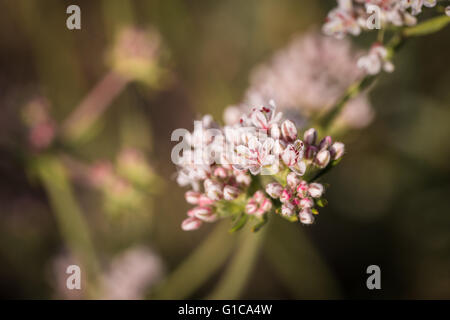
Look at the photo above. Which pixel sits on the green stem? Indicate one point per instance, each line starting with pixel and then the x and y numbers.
pixel 199 266
pixel 69 217
pixel 238 272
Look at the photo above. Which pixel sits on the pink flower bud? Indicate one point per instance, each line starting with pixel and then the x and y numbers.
pixel 323 158
pixel 203 200
pixel 259 196
pixel 288 130
pixel 265 206
pixel 207 184
pixel 325 143
pixel 310 136
pixel 292 180
pixel 306 203
pixel 302 188
pixel 274 190
pixel 189 224
pixel 287 209
pixel 220 172
pixel 285 196
pixel 192 197
pixel 275 131
pixel 310 152
pixel 203 213
pixel 337 150
pixel 315 190
pixel 243 178
pixel 306 216
pixel 213 190
pixel 198 210
pixel 230 193
pixel 251 207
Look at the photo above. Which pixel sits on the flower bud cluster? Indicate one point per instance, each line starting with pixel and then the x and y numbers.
pixel 297 197
pixel 323 152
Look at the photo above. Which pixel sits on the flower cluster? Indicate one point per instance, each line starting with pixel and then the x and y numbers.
pixel 353 16
pixel 376 60
pixel 228 168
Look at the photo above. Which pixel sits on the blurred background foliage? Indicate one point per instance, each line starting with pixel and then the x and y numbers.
pixel 388 200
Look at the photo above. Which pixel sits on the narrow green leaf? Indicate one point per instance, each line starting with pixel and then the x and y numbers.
pixel 427 27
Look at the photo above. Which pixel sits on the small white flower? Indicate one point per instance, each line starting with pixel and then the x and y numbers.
pixel 256 155
pixel 292 156
pixel 264 117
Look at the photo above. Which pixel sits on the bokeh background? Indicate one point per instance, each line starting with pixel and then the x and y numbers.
pixel 389 199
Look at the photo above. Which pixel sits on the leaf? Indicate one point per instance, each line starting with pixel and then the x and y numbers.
pixel 239 223
pixel 314 211
pixel 322 202
pixel 427 27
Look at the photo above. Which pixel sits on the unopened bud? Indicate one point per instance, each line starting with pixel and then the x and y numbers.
pixel 285 196
pixel 192 197
pixel 287 209
pixel 230 193
pixel 288 130
pixel 310 152
pixel 337 150
pixel 203 213
pixel 310 136
pixel 274 190
pixel 189 224
pixel 315 190
pixel 220 172
pixel 306 203
pixel 251 207
pixel 306 216
pixel 292 180
pixel 325 143
pixel 266 205
pixel 323 158
pixel 302 188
